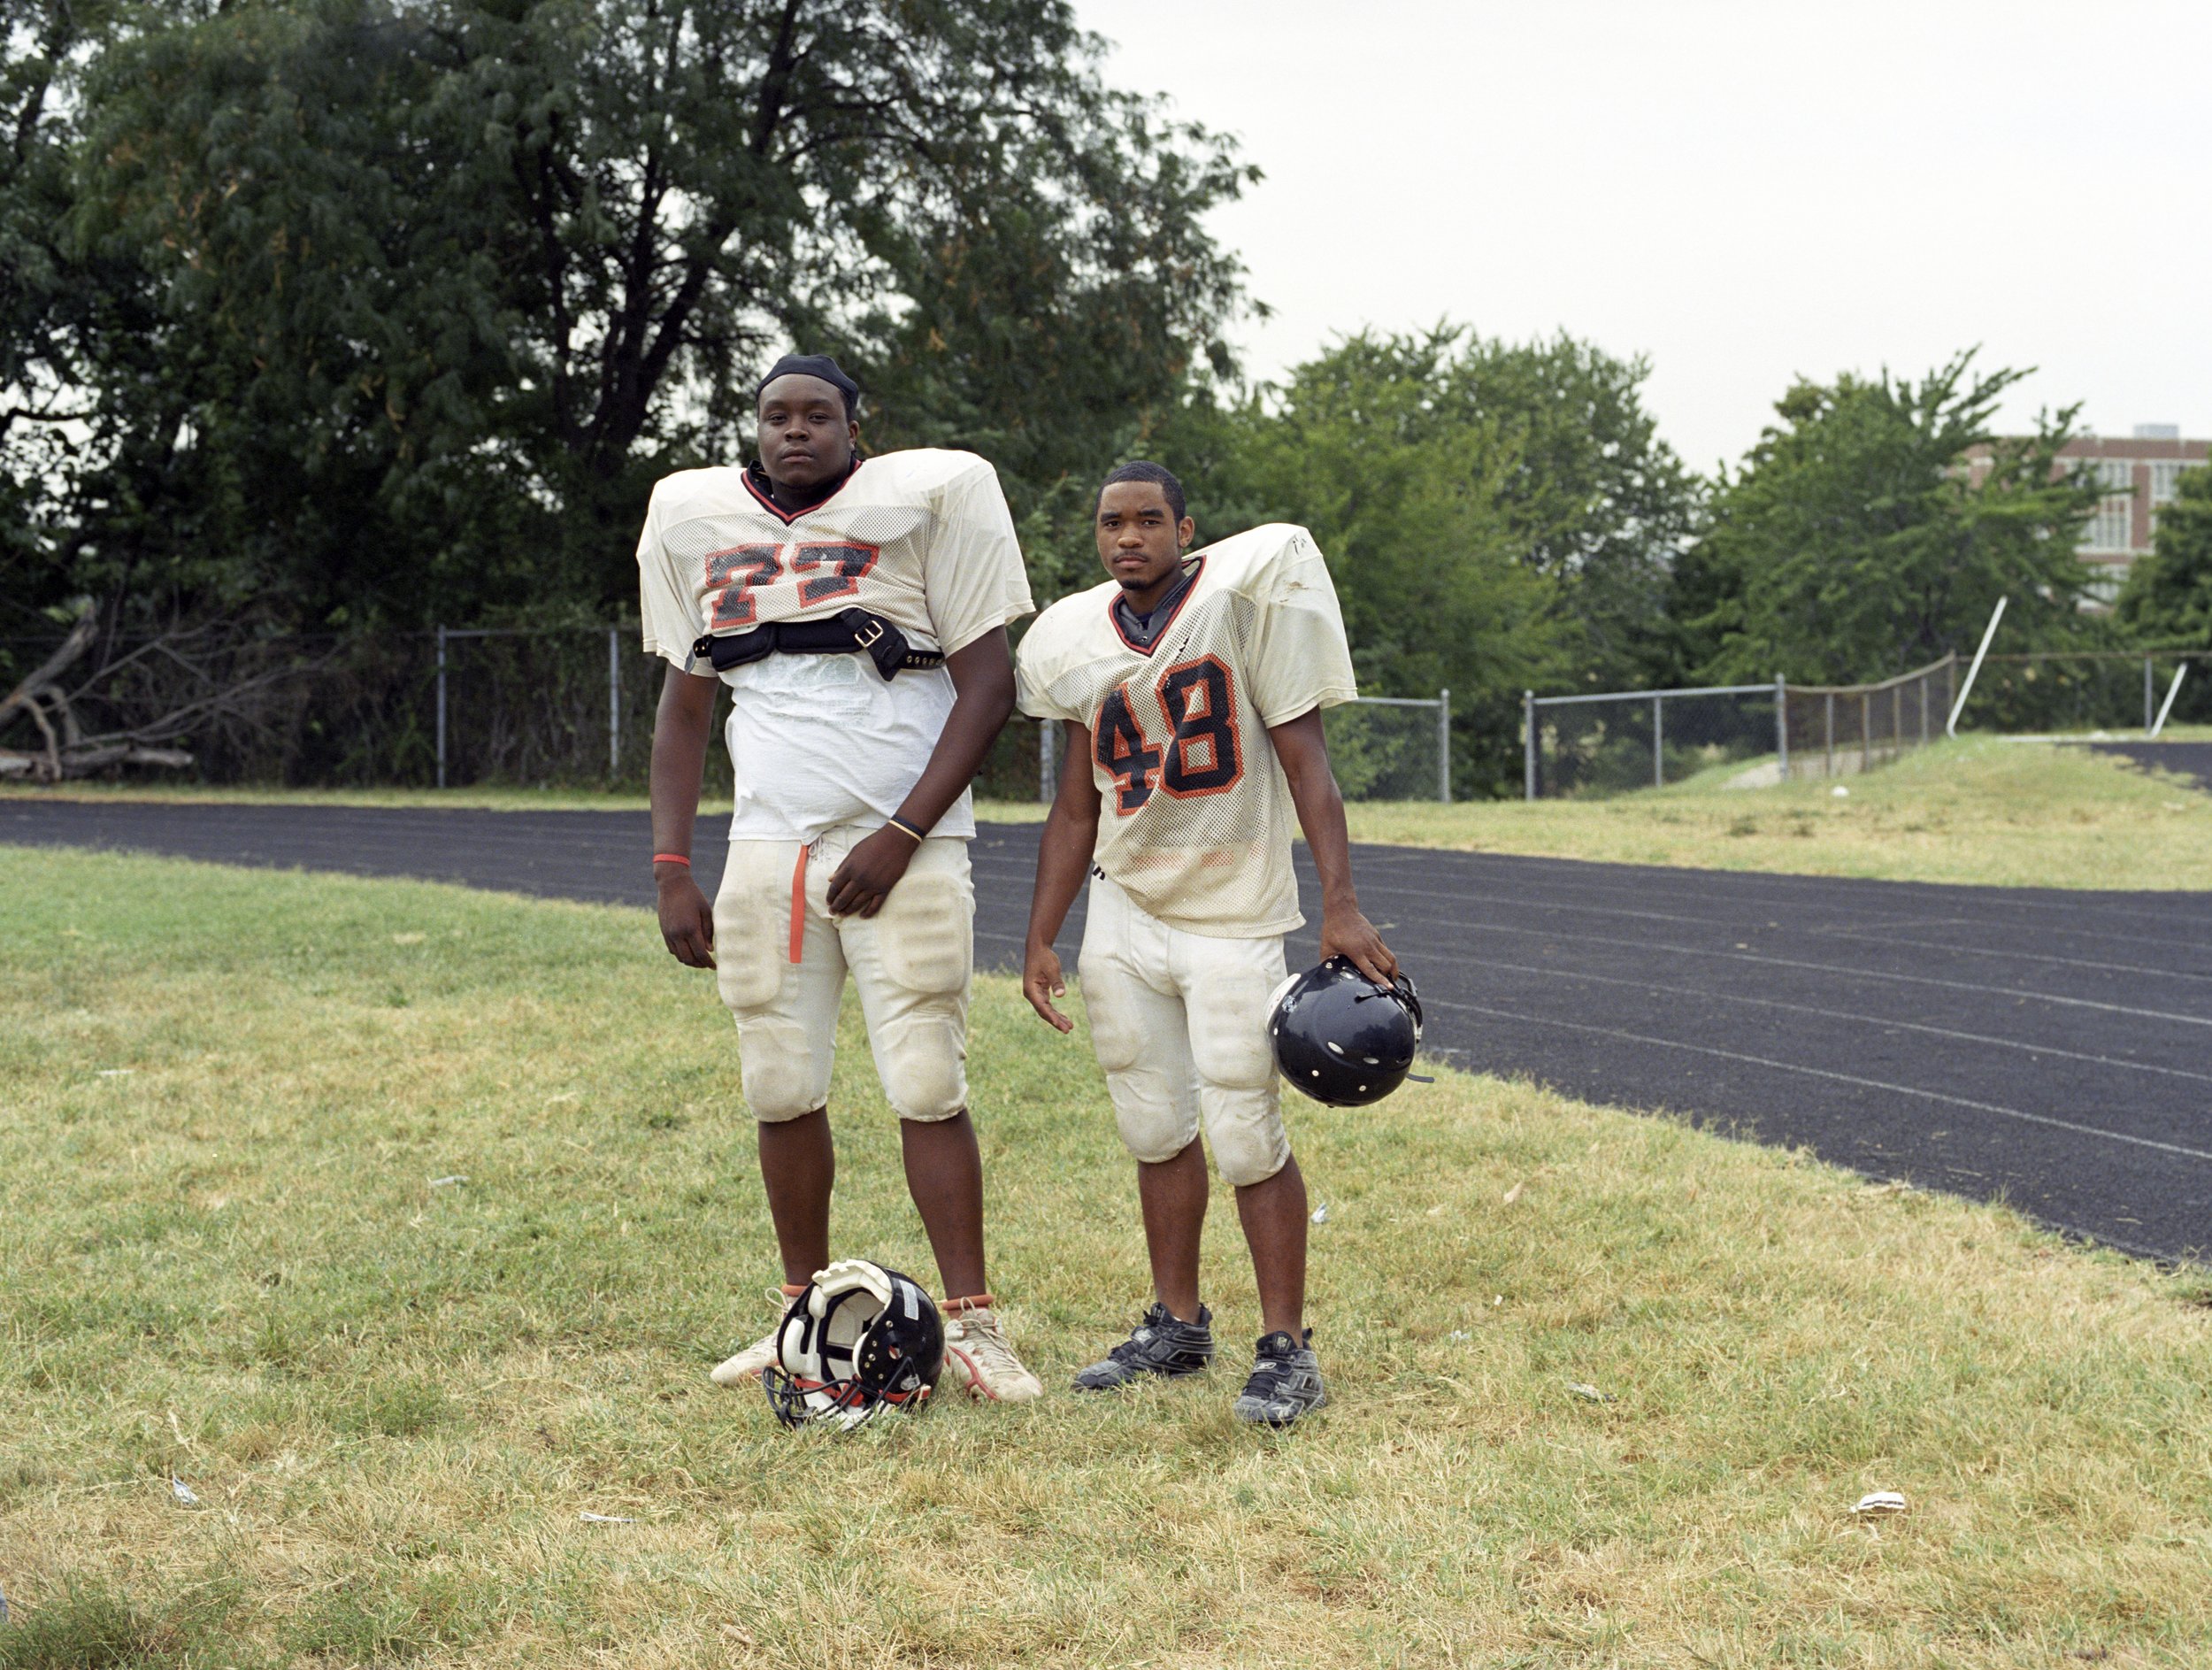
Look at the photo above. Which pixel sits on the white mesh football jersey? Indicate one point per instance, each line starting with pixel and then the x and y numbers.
pixel 1196 819
pixel 922 538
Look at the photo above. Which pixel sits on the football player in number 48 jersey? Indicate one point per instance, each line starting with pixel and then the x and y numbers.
pixel 1192 690
pixel 856 609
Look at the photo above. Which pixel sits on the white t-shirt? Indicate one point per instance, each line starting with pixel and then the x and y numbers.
pixel 1196 819
pixel 922 538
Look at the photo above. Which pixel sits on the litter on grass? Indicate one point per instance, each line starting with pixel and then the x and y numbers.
pixel 605 1519
pixel 116 1072
pixel 1321 1214
pixel 183 1491
pixel 1840 792
pixel 448 1182
pixel 1879 1502
pixel 1514 1193
pixel 1583 1388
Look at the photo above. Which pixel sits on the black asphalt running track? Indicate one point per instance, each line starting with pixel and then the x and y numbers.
pixel 2188 759
pixel 2050 1048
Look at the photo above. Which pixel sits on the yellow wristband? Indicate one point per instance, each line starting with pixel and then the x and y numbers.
pixel 906 828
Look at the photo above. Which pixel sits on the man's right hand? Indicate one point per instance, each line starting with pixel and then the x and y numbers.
pixel 686 918
pixel 1042 981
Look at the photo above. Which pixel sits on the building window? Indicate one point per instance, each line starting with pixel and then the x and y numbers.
pixel 2164 479
pixel 2108 526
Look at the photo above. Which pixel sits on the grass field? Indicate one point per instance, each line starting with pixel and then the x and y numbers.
pixel 231 1101
pixel 1979 811
pixel 2017 814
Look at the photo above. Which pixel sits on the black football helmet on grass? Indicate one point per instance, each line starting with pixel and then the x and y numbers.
pixel 860 1340
pixel 1342 1039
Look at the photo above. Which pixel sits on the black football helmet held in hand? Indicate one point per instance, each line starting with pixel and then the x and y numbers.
pixel 1341 1038
pixel 860 1340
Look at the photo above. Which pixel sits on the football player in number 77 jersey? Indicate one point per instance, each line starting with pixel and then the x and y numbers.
pixel 857 611
pixel 1192 689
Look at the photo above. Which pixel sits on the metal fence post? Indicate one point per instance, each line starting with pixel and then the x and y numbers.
pixel 2149 697
pixel 1831 733
pixel 1896 721
pixel 1528 746
pixel 1923 712
pixel 1444 745
pixel 1866 732
pixel 1658 741
pixel 1045 784
pixel 614 700
pixel 440 707
pixel 1782 724
pixel 2181 671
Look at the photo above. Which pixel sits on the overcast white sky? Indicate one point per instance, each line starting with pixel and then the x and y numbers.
pixel 1741 192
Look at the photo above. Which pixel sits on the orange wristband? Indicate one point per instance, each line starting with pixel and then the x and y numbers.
pixel 672 858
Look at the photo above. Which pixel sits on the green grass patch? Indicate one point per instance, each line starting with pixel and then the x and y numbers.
pixel 1979 811
pixel 229 1101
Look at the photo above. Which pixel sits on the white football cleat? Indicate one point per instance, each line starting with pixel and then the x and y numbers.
pixel 744 1368
pixel 980 1362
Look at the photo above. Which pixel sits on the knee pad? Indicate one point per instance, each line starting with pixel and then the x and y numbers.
pixel 1150 1129
pixel 783 1076
pixel 1248 1152
pixel 922 1061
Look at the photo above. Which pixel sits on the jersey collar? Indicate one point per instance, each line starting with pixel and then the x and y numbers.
pixel 757 484
pixel 1119 611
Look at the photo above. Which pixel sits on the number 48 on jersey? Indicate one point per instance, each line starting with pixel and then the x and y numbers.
pixel 1198 751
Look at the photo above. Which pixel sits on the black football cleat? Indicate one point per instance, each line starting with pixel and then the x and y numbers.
pixel 1160 1345
pixel 1285 1382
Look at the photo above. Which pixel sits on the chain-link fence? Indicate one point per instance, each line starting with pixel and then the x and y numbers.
pixel 1835 730
pixel 2063 691
pixel 1588 746
pixel 560 706
pixel 1585 746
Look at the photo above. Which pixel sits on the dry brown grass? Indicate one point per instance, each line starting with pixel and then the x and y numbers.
pixel 228 1262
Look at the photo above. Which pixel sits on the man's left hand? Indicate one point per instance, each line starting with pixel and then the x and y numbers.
pixel 870 871
pixel 1350 935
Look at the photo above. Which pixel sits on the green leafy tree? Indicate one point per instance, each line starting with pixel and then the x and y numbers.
pixel 1413 508
pixel 1874 529
pixel 1594 499
pixel 2166 601
pixel 444 285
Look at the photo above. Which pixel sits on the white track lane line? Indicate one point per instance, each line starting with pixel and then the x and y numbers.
pixel 2130 935
pixel 1426 894
pixel 1852 974
pixel 1775 889
pixel 1840 1014
pixel 1839 1078
pixel 2021 957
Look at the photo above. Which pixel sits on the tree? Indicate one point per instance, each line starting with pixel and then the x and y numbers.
pixel 2166 601
pixel 1875 528
pixel 445 284
pixel 1594 499
pixel 1410 499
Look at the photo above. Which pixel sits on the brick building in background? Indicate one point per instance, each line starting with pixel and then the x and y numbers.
pixel 2137 474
